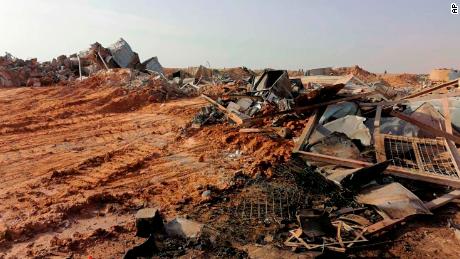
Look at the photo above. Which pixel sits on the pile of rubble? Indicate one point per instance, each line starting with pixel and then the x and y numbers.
pixel 369 158
pixel 206 80
pixel 64 69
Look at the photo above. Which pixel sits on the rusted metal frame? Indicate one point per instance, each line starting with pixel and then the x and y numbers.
pixel 309 128
pixel 393 170
pixel 427 144
pixel 454 164
pixel 423 144
pixel 359 236
pixel 421 125
pixel 418 157
pixel 435 131
pixel 436 141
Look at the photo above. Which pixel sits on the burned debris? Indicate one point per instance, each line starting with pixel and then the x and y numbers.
pixel 364 156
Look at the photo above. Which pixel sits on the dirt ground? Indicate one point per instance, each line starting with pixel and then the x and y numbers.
pixel 77 163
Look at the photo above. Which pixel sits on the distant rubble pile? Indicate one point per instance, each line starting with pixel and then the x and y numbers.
pixel 193 80
pixel 356 71
pixel 63 69
pixel 141 88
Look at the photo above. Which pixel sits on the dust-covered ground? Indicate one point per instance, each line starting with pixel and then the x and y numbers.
pixel 77 162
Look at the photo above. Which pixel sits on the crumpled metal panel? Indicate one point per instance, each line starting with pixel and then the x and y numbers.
pixel 351 125
pixel 339 110
pixel 394 200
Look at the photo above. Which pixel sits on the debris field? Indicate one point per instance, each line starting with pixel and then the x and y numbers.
pixel 105 156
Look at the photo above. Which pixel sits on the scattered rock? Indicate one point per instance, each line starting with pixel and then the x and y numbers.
pixel 183 228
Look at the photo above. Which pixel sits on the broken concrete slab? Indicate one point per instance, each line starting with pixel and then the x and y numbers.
pixel 351 125
pixel 148 221
pixel 184 228
pixel 152 64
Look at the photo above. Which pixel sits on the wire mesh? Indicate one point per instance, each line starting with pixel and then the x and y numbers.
pixel 421 155
pixel 272 204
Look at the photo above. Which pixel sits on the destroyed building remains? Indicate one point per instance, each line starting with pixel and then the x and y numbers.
pixel 323 162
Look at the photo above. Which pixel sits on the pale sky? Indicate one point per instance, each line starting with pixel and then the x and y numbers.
pixel 398 36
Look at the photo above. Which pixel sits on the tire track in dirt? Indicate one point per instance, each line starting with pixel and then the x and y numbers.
pixel 98 138
pixel 62 174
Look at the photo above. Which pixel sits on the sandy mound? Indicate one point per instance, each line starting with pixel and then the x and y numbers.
pixel 402 80
pixel 357 71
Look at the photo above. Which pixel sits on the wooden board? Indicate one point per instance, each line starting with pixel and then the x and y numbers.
pixel 230 115
pixel 378 138
pixel 431 89
pixel 303 139
pixel 443 200
pixel 393 170
pixel 404 101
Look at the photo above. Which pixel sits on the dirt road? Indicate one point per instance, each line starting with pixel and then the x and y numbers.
pixel 71 172
pixel 77 163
